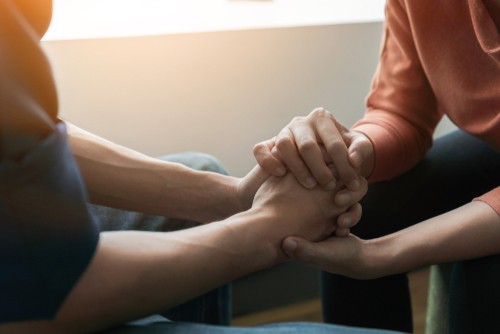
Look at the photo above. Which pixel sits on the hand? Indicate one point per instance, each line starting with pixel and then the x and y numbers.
pixel 349 256
pixel 308 145
pixel 247 187
pixel 308 213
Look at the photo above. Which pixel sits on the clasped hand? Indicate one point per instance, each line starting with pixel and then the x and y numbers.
pixel 324 156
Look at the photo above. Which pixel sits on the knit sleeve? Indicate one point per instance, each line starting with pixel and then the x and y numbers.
pixel 492 198
pixel 401 109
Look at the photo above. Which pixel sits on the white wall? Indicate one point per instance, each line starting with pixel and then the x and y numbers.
pixel 216 92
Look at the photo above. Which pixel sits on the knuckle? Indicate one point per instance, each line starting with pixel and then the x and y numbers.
pixel 297 119
pixel 283 142
pixel 308 146
pixel 267 165
pixel 323 177
pixel 321 112
pixel 257 149
pixel 335 146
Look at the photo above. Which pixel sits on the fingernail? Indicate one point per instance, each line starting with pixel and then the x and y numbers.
pixel 310 182
pixel 355 159
pixel 290 245
pixel 280 171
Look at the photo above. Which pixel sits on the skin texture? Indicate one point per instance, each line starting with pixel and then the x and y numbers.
pixel 319 150
pixel 308 145
pixel 468 232
pixel 125 278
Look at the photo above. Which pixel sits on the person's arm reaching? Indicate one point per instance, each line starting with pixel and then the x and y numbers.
pixel 134 274
pixel 468 232
pixel 393 136
pixel 120 177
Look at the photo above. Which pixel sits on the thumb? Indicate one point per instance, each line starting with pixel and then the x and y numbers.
pixel 360 149
pixel 302 250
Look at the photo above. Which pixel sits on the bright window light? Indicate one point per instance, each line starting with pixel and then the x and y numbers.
pixel 79 19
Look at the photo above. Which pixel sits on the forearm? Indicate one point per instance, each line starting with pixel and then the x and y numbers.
pixel 120 177
pixel 134 274
pixel 470 231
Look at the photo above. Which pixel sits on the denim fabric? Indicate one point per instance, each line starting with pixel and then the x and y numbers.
pixel 213 307
pixel 458 168
pixel 283 328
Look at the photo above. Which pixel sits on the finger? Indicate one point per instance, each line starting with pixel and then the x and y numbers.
pixel 342 232
pixel 258 176
pixel 286 146
pixel 326 157
pixel 350 218
pixel 337 150
pixel 347 197
pixel 360 149
pixel 266 160
pixel 305 251
pixel 311 153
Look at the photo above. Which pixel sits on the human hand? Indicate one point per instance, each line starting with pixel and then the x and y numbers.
pixel 349 256
pixel 308 213
pixel 248 185
pixel 307 146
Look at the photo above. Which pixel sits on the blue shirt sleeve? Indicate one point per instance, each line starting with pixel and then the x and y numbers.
pixel 47 235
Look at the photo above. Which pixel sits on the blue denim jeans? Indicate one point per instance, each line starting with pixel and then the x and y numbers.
pixel 279 328
pixel 213 307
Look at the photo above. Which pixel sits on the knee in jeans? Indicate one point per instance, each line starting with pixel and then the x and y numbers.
pixel 197 160
pixel 209 163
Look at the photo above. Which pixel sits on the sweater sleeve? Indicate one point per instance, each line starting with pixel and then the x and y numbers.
pixel 47 235
pixel 492 198
pixel 401 109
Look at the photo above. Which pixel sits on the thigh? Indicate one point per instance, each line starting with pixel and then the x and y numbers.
pixel 283 328
pixel 456 169
pixel 214 307
pixel 112 219
pixel 474 303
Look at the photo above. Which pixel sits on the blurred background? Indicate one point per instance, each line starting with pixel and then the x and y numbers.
pixel 216 76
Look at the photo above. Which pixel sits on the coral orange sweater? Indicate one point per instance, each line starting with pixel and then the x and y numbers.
pixel 437 57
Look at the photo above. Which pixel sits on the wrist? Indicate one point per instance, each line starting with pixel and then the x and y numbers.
pixel 219 199
pixel 398 253
pixel 384 256
pixel 258 231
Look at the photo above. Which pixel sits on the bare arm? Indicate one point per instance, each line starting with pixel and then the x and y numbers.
pixel 468 232
pixel 134 274
pixel 120 177
pixel 137 273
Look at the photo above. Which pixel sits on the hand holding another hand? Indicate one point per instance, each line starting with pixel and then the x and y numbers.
pixel 307 147
pixel 349 256
pixel 308 213
pixel 317 149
